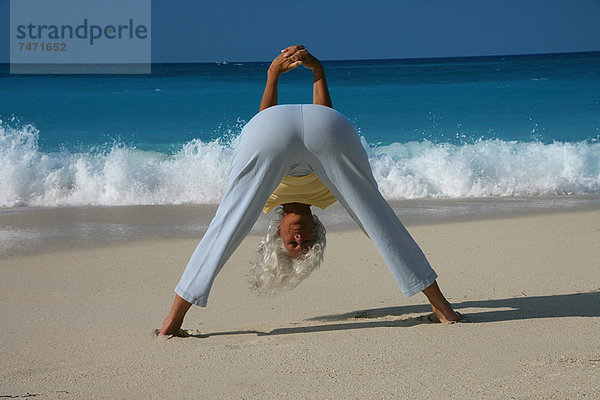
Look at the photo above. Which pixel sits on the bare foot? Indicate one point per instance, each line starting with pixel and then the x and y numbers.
pixel 440 306
pixel 447 315
pixel 172 323
pixel 170 327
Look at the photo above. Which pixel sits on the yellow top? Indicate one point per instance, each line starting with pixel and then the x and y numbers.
pixel 303 189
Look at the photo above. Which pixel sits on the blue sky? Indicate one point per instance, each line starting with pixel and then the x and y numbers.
pixel 241 30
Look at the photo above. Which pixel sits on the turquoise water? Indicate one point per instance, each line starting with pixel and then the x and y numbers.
pixel 443 128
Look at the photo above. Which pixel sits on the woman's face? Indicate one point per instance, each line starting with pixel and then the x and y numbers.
pixel 296 232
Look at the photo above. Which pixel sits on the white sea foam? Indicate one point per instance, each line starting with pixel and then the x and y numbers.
pixel 486 168
pixel 195 174
pixel 119 176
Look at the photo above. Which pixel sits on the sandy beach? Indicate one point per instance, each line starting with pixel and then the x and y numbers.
pixel 78 323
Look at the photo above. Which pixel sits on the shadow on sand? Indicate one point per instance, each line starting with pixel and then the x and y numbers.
pixel 517 308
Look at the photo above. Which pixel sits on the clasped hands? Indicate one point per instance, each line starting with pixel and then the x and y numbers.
pixel 291 57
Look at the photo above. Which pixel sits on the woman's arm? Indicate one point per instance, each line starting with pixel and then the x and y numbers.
pixel 269 97
pixel 320 89
pixel 280 65
pixel 289 59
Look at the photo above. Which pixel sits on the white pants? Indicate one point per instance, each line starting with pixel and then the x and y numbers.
pixel 321 138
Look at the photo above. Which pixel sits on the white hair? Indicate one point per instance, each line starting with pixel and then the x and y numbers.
pixel 274 270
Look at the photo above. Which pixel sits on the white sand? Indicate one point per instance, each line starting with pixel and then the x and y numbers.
pixel 78 324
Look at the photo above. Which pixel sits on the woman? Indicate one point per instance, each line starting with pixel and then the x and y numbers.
pixel 319 147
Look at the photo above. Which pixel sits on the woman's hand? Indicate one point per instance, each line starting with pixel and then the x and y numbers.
pixel 290 58
pixel 280 65
pixel 283 63
pixel 299 53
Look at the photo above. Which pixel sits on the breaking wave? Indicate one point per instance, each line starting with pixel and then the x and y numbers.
pixel 196 173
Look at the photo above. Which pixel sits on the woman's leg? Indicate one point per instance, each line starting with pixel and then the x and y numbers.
pixel 270 143
pixel 342 164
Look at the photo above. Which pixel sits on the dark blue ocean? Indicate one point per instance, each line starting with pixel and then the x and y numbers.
pixel 517 126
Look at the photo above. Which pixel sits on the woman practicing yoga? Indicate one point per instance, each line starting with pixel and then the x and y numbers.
pixel 295 156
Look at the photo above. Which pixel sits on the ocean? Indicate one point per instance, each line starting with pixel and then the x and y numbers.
pixel 479 130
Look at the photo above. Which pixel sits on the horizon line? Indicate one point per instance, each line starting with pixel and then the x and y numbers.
pixel 377 59
pixel 391 58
